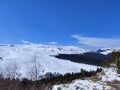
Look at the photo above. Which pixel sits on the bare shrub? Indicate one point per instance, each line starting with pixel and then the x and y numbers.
pixel 115 84
pixel 95 78
pixel 11 70
pixel 34 69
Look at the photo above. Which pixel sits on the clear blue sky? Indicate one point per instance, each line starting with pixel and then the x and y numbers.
pixel 43 21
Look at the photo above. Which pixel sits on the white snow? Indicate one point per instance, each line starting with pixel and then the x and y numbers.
pixel 82 85
pixel 23 56
pixel 106 51
pixel 110 74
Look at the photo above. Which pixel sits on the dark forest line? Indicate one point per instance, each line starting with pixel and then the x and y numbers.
pixel 91 58
pixel 46 83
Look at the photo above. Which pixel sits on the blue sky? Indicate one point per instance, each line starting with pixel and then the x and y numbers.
pixel 94 23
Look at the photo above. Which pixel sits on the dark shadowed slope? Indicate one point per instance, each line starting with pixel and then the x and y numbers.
pixel 91 58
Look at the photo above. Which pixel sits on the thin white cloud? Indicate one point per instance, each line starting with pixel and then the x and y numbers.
pixel 53 43
pixel 98 42
pixel 26 42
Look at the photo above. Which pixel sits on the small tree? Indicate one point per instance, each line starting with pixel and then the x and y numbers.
pixel 11 70
pixel 114 61
pixel 34 69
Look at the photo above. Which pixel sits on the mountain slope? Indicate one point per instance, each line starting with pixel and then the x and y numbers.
pixel 23 55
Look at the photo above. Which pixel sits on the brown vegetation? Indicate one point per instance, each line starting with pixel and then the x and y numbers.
pixel 43 84
pixel 115 84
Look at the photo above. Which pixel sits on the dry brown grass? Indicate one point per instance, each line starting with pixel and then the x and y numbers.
pixel 95 78
pixel 115 84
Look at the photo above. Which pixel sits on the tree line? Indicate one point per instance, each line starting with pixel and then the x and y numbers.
pixel 45 83
pixel 91 58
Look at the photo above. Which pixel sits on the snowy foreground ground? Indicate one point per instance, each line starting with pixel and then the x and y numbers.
pixel 108 75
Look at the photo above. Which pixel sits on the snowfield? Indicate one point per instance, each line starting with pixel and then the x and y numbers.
pixel 23 56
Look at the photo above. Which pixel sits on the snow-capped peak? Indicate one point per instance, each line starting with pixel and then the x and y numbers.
pixel 106 51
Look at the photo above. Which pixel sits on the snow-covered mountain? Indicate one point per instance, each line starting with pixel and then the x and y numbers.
pixel 23 55
pixel 106 51
pixel 41 49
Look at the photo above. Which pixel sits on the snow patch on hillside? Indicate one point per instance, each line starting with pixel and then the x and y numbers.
pixel 82 85
pixel 110 74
